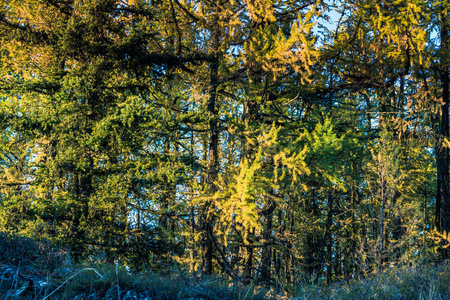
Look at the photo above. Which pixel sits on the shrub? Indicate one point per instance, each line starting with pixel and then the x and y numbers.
pixel 19 250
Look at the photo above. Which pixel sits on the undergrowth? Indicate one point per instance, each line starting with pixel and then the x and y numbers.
pixel 35 270
pixel 19 250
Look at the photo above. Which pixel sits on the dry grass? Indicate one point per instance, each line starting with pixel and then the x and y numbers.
pixel 109 282
pixel 32 274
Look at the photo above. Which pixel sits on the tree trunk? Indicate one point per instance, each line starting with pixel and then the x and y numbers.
pixel 192 241
pixel 328 239
pixel 84 191
pixel 266 257
pixel 213 160
pixel 248 267
pixel 443 153
pixel 166 194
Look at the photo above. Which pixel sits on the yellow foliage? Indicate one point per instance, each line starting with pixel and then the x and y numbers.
pixel 441 240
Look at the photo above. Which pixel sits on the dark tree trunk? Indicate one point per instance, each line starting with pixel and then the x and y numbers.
pixel 329 240
pixel 165 197
pixel 213 159
pixel 192 241
pixel 266 258
pixel 290 258
pixel 84 191
pixel 443 153
pixel 248 267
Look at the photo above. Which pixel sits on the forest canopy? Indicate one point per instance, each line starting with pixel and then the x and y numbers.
pixel 268 139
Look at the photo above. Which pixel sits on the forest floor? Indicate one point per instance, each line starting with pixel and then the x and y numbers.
pixel 30 270
pixel 112 282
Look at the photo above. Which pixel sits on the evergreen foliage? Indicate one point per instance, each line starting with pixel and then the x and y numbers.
pixel 275 142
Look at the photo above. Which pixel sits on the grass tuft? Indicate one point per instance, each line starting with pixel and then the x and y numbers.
pixel 33 273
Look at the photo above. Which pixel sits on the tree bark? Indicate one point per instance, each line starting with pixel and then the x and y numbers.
pixel 213 160
pixel 329 239
pixel 443 153
pixel 442 211
pixel 266 257
pixel 248 267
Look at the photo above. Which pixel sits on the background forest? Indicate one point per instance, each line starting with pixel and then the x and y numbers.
pixel 268 140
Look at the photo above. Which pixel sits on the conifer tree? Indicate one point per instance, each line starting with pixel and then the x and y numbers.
pixel 76 69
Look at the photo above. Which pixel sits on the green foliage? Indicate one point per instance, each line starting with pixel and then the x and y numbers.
pixel 249 138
